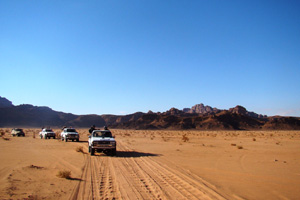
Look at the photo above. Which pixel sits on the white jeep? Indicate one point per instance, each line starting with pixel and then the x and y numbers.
pixel 69 134
pixel 47 133
pixel 102 141
pixel 17 132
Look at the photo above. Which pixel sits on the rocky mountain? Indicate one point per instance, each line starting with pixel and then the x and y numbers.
pixel 201 109
pixel 198 117
pixel 4 103
pixel 174 111
pixel 242 111
pixel 33 116
pixel 224 120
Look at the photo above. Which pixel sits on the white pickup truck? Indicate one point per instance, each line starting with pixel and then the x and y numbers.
pixel 69 134
pixel 46 133
pixel 17 132
pixel 102 141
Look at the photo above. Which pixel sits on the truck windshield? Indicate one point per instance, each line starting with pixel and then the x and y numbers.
pixel 48 130
pixel 71 130
pixel 103 134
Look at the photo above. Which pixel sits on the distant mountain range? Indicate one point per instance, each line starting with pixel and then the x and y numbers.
pixel 198 117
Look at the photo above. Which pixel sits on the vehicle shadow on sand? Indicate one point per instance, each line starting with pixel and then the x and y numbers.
pixel 83 141
pixel 80 141
pixel 74 179
pixel 133 154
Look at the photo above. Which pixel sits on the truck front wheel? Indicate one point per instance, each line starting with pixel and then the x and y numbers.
pixel 92 152
pixel 114 152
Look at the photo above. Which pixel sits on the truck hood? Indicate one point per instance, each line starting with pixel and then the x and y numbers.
pixel 104 139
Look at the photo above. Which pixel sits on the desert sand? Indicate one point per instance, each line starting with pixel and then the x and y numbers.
pixel 158 164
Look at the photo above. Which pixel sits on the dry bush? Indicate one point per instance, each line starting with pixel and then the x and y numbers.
pixel 35 167
pixel 2 132
pixel 165 139
pixel 7 130
pixel 240 147
pixel 185 138
pixel 33 135
pixel 79 149
pixel 10 190
pixel 64 174
pixel 32 197
pixel 254 139
pixel 5 138
pixel 58 136
pixel 233 144
pixel 127 134
pixel 152 137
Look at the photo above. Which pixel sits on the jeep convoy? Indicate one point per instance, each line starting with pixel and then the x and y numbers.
pixel 102 141
pixel 69 134
pixel 98 140
pixel 46 133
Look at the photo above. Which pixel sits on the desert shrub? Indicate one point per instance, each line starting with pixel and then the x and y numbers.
pixel 2 133
pixel 33 135
pixel 35 167
pixel 152 137
pixel 240 147
pixel 233 144
pixel 254 139
pixel 58 135
pixel 165 139
pixel 79 149
pixel 32 197
pixel 185 138
pixel 5 138
pixel 64 174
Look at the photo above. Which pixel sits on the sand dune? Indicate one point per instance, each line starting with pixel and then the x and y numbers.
pixel 154 165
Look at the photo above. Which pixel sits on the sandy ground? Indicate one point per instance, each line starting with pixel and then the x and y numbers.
pixel 154 165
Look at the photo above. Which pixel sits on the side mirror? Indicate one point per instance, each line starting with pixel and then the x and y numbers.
pixel 89 136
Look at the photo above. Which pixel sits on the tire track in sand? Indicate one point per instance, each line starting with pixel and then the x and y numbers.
pixel 88 184
pixel 139 177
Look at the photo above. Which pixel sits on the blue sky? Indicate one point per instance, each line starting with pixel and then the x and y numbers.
pixel 120 57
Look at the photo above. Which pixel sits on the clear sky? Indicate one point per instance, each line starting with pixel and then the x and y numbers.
pixel 120 57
